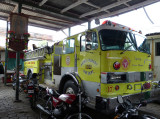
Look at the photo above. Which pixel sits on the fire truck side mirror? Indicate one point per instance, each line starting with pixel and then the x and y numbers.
pixel 97 21
pixel 88 36
pixel 88 46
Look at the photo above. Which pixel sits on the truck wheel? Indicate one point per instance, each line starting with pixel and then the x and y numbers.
pixel 70 88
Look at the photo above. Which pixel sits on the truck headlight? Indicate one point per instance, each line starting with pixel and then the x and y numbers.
pixel 112 77
pixel 116 78
pixel 150 75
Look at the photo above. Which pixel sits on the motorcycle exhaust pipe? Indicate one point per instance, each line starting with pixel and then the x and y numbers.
pixel 42 109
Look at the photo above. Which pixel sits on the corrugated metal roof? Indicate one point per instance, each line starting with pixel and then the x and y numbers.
pixel 61 14
pixel 151 34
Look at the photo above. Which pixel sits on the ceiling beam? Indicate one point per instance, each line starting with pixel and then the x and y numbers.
pixel 15 8
pixel 47 15
pixel 43 26
pixel 43 2
pixel 52 10
pixel 3 18
pixel 127 4
pixel 90 4
pixel 45 20
pixel 4 11
pixel 104 8
pixel 73 5
pixel 14 11
pixel 142 4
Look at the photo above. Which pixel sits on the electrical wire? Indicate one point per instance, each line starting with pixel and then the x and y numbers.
pixel 147 15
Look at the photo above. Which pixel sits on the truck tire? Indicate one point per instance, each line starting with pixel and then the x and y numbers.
pixel 70 88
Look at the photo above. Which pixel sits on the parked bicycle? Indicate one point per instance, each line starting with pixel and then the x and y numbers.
pixel 128 110
pixel 60 106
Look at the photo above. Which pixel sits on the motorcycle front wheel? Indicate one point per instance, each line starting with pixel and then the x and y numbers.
pixel 77 116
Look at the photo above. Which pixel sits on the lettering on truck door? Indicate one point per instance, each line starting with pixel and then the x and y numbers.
pixel 89 58
pixel 89 62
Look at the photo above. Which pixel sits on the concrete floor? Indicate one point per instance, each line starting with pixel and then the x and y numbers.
pixel 9 109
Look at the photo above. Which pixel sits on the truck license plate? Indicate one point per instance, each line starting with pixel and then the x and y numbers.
pixel 30 91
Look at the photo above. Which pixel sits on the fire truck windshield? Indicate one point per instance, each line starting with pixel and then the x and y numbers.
pixel 121 40
pixel 117 40
pixel 142 44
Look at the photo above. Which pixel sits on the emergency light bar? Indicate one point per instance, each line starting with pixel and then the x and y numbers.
pixel 110 23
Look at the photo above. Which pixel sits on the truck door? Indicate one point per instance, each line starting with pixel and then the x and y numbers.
pixel 88 59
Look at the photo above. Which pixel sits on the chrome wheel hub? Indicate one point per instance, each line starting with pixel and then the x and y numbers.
pixel 69 90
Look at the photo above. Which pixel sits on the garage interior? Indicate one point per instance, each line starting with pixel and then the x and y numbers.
pixel 61 14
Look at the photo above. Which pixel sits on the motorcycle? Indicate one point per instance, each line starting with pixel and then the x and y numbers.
pixel 33 90
pixel 21 81
pixel 63 106
pixel 128 110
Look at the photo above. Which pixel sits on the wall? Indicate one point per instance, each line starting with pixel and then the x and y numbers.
pixel 156 59
pixel 156 62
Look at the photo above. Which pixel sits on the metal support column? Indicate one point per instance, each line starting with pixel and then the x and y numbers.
pixel 69 31
pixel 17 75
pixel 89 25
pixel 6 57
pixel 17 63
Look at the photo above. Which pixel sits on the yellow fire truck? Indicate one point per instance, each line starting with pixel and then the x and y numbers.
pixel 110 60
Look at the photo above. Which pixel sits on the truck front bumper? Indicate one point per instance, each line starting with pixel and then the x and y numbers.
pixel 108 105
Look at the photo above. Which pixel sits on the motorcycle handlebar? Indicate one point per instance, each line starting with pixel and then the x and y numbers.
pixel 55 92
pixel 52 91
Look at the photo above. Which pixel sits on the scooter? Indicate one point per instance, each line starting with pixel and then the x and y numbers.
pixel 60 106
pixel 128 110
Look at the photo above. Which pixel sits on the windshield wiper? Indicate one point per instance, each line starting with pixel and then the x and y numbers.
pixel 126 49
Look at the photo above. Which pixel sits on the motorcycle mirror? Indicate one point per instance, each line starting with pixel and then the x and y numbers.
pixel 120 99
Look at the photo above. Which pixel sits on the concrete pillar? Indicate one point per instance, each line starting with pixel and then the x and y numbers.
pixel 89 25
pixel 17 62
pixel 69 31
pixel 6 57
